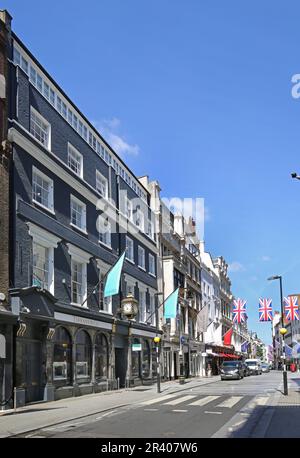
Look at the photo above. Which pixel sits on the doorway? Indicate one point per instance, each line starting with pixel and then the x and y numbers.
pixel 29 369
pixel 121 365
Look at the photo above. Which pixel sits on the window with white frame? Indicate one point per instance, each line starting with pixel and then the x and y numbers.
pixel 152 309
pixel 40 128
pixel 142 306
pixel 104 231
pixel 152 264
pixel 128 209
pixel 129 249
pixel 42 266
pixel 43 244
pixel 78 282
pixel 150 231
pixel 141 257
pixel 101 184
pixel 75 161
pixel 105 303
pixel 78 213
pixel 42 189
pixel 130 288
pixel 140 220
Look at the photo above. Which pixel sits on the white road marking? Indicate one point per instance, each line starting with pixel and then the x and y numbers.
pixel 178 401
pixel 150 410
pixel 179 410
pixel 229 403
pixel 162 398
pixel 203 401
pixel 215 413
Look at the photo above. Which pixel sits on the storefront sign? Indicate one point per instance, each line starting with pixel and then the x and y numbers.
pixel 82 321
pixel 2 347
pixel 136 347
pixel 209 351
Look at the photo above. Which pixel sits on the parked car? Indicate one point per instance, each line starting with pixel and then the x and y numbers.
pixel 254 366
pixel 247 371
pixel 265 367
pixel 231 370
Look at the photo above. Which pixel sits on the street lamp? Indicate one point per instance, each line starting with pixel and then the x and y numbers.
pixel 282 332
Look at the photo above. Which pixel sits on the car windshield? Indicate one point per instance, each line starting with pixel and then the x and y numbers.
pixel 251 363
pixel 230 364
pixel 264 365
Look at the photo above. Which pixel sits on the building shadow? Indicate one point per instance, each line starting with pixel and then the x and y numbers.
pixel 271 422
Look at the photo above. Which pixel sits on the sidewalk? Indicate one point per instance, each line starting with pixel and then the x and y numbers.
pixel 284 421
pixel 44 414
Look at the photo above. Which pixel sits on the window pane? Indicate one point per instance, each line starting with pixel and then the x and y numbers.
pixel 39 129
pixel 40 266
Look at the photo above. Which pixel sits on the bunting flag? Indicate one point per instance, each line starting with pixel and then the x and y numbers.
pixel 291 308
pixel 170 307
pixel 270 353
pixel 244 347
pixel 296 349
pixel 112 284
pixel 227 337
pixel 288 351
pixel 202 319
pixel 277 344
pixel 239 310
pixel 265 310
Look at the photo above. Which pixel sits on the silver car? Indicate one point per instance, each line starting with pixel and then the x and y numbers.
pixel 265 367
pixel 232 370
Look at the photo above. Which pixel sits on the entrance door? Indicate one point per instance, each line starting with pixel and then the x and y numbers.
pixel 121 365
pixel 175 366
pixel 29 368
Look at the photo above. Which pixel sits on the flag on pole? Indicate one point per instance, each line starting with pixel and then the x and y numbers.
pixel 277 344
pixel 239 310
pixel 270 353
pixel 112 284
pixel 265 310
pixel 291 308
pixel 244 347
pixel 227 337
pixel 170 308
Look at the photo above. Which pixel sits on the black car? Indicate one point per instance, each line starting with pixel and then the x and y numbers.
pixel 232 370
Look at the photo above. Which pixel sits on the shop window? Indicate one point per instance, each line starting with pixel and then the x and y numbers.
pixel 62 356
pixel 145 359
pixel 136 361
pixel 83 355
pixel 101 357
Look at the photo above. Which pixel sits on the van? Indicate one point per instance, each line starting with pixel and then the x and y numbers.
pixel 254 366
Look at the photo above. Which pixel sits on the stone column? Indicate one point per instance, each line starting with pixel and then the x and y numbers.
pixel 112 359
pixel 129 358
pixel 49 390
pixel 75 384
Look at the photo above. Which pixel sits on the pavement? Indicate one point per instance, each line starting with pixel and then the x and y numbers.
pixel 254 407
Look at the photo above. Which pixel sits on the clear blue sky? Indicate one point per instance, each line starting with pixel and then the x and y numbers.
pixel 197 94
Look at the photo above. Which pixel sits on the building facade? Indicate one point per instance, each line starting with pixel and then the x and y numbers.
pixel 74 208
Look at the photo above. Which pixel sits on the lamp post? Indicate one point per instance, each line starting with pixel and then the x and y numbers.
pixel 282 332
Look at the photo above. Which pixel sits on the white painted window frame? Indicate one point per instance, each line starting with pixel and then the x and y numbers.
pixel 36 171
pixel 83 205
pixel 42 119
pixel 74 151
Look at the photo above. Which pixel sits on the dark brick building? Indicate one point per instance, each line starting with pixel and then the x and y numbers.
pixel 69 207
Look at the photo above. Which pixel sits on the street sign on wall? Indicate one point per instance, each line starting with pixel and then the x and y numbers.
pixel 2 347
pixel 136 347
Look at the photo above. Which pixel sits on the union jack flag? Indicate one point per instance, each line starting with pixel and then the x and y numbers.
pixel 265 310
pixel 239 310
pixel 291 308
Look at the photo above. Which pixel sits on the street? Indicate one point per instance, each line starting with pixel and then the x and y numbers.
pixel 218 409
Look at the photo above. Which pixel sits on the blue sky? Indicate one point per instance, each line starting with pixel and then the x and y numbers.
pixel 196 94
